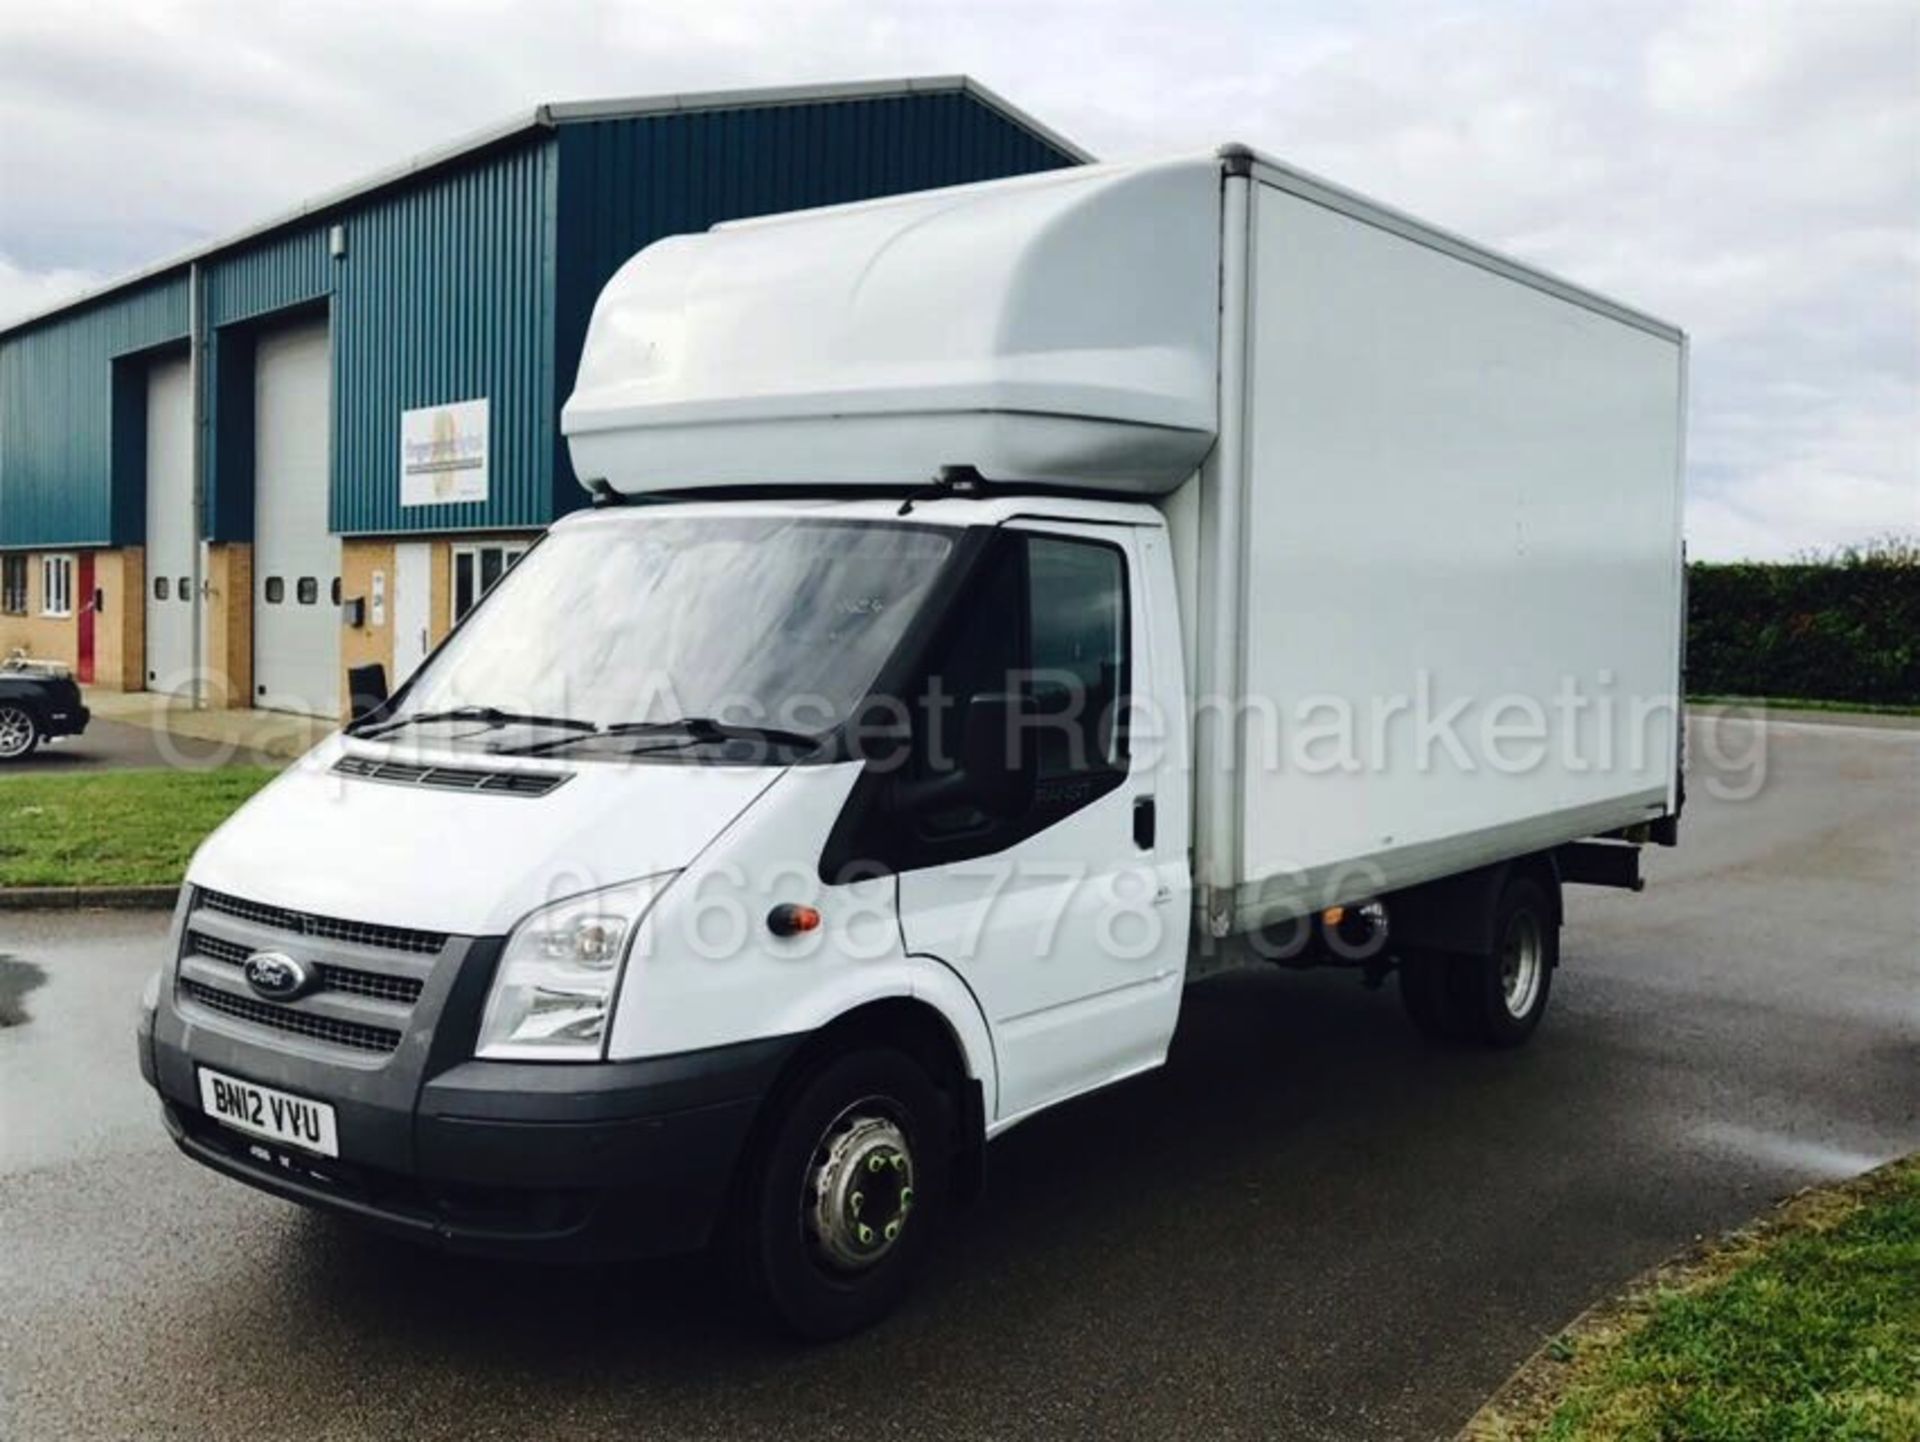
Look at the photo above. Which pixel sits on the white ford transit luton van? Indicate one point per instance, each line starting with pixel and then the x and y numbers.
pixel 1004 605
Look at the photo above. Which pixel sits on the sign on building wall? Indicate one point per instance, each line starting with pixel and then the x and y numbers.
pixel 443 454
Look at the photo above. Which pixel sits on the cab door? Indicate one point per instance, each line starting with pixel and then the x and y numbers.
pixel 1068 920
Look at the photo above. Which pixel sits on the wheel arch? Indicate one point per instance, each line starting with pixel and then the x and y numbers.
pixel 1455 913
pixel 30 700
pixel 1543 867
pixel 924 1031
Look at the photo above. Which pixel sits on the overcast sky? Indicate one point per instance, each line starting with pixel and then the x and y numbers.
pixel 1750 170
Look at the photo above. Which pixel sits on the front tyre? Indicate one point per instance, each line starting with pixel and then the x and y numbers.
pixel 843 1194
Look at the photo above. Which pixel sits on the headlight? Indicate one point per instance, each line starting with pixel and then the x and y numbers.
pixel 554 991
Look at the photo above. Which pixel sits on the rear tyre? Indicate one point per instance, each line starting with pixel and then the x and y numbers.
pixel 1431 998
pixel 843 1194
pixel 1494 1000
pixel 19 731
pixel 1506 993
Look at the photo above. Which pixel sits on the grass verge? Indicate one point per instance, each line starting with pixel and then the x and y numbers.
pixel 1804 1326
pixel 120 828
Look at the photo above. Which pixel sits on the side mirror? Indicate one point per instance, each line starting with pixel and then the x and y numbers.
pixel 366 691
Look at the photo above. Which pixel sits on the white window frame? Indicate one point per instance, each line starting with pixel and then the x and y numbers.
pixel 60 565
pixel 510 552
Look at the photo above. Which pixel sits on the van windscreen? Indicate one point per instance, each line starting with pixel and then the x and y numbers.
pixel 766 621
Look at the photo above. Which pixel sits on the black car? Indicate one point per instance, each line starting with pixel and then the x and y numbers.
pixel 37 699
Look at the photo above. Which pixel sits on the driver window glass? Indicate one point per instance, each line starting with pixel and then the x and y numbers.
pixel 1077 619
pixel 1048 621
pixel 980 656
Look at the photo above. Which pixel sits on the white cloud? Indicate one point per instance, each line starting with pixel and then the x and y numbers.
pixel 1749 170
pixel 23 292
pixel 1851 471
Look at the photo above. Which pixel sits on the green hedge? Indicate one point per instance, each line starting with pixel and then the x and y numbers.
pixel 1838 628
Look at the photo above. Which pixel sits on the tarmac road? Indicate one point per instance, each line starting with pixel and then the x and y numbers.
pixel 1309 1225
pixel 116 746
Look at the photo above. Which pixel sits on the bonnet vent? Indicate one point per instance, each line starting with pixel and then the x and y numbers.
pixel 452 778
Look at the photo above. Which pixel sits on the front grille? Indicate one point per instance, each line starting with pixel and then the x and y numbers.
pixel 405 989
pixel 352 1034
pixel 386 938
pixel 451 778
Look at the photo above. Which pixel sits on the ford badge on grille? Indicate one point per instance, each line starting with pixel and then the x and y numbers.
pixel 276 976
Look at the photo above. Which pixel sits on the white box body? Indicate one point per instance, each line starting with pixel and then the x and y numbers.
pixel 1454 482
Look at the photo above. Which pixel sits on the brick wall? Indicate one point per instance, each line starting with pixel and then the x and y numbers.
pixel 45 638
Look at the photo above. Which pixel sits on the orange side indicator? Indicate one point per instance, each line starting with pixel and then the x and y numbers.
pixel 791 919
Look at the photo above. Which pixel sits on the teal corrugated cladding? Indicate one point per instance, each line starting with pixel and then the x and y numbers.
pixel 57 417
pixel 626 183
pixel 444 294
pixel 247 290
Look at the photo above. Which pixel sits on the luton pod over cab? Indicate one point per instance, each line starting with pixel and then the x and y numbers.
pixel 1004 606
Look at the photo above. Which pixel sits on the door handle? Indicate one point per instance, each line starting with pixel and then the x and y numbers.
pixel 1144 822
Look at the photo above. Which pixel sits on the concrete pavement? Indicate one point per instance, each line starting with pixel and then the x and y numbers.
pixel 1309 1225
pixel 270 733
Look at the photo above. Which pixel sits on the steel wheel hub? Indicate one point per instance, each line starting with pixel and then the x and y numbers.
pixel 16 732
pixel 859 1188
pixel 1521 962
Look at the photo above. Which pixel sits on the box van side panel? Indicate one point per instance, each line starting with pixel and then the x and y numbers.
pixel 1461 515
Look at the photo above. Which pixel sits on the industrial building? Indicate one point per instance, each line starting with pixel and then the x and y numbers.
pixel 315 444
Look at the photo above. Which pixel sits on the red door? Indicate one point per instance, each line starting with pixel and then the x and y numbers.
pixel 85 601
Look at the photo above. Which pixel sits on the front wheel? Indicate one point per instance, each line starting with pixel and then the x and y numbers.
pixel 19 732
pixel 843 1194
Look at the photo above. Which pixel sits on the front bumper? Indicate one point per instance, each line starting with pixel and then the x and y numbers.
pixel 561 1161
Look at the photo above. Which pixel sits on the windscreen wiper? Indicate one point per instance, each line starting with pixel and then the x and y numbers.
pixel 698 731
pixel 486 715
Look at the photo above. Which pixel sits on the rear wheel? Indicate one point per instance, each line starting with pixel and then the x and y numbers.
pixel 1428 994
pixel 19 731
pixel 1507 992
pixel 1494 1000
pixel 843 1194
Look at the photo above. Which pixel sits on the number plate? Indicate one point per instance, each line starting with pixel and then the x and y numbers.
pixel 263 1112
